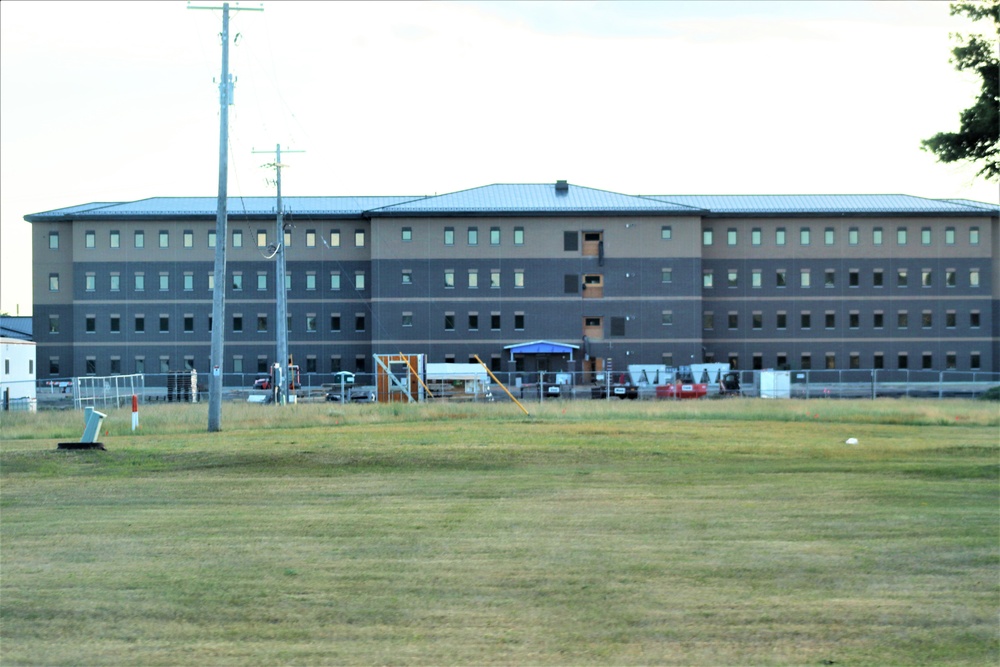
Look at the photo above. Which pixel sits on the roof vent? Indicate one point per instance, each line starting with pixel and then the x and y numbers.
pixel 562 187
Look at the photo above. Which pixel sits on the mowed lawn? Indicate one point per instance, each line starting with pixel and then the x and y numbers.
pixel 722 533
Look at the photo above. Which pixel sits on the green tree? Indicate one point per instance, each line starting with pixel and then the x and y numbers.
pixel 978 137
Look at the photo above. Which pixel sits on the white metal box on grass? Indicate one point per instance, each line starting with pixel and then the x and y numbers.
pixel 775 384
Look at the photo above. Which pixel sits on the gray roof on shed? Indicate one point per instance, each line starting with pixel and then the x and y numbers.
pixel 825 204
pixel 534 198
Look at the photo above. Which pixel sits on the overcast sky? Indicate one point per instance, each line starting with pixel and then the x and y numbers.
pixel 116 101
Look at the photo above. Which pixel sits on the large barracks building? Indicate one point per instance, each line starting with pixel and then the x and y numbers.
pixel 548 276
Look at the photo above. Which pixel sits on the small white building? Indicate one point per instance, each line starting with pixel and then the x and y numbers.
pixel 17 374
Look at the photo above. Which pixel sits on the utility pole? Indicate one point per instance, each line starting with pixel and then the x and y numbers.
pixel 219 292
pixel 280 294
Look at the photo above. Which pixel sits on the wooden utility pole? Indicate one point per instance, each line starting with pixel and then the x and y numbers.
pixel 219 292
pixel 280 294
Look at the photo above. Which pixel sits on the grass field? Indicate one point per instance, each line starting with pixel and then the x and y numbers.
pixel 611 533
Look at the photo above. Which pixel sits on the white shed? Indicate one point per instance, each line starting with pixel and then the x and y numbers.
pixel 17 374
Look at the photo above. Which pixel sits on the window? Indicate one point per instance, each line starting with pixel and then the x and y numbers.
pixel 902 319
pixel 518 278
pixel 53 240
pixel 473 235
pixel 829 278
pixel 901 278
pixel 449 321
pixel 974 236
pixel 974 362
pixel 407 276
pixel 831 361
pixel 53 282
pixel 90 239
pixel 90 282
pixel 261 281
pixel 473 321
pixel 757 320
pixel 925 236
pixel 781 321
pixel 311 281
pixel 359 280
pixel 116 365
pixel 473 278
pixel 805 278
pixel 164 282
pixel 237 363
pixel 902 361
pixel 927 278
pixel 311 364
pixel 733 320
pixel 780 278
pixel 407 319
pixel 877 278
pixel 91 366
pixel 311 323
pixel 310 238
pixel 852 236
pixel 262 364
pixel 495 321
pixel 140 281
pixel 164 323
pixel 53 365
pixel 164 238
pixel 188 282
pixel 359 238
pixel 261 322
pixel 731 237
pixel 211 239
pixel 853 278
pixel 405 234
pixel 830 319
pixel 571 283
pixel 781 360
pixel 666 232
pixel 53 324
pixel 901 236
pixel 334 238
pixel 335 363
pixel 805 320
pixel 449 236
pixel 755 236
pixel 140 323
pixel 335 322
pixel 876 236
pixel 949 236
pixel 667 318
pixel 237 238
pixel 854 361
pixel 829 236
pixel 706 237
pixel 974 319
pixel 878 319
pixel 335 280
pixel 449 278
pixel 115 324
pixel 140 239
pixel 90 323
pixel 779 236
pixel 804 236
pixel 950 319
pixel 519 236
pixel 140 364
pixel 237 281
pixel 708 320
pixel 805 361
pixel 707 278
pixel 878 360
pixel 950 277
pixel 732 278
pixel 756 279
pixel 495 278
pixel 261 238
pixel 237 323
pixel 518 321
pixel 188 323
pixel 359 321
pixel 950 360
pixel 666 276
pixel 854 319
pixel 188 238
pixel 288 239
pixel 926 319
pixel 494 236
pixel 973 277
pixel 571 241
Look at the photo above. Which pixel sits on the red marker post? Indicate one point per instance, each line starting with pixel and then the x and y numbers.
pixel 135 412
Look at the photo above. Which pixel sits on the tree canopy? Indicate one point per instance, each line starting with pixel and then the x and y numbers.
pixel 978 137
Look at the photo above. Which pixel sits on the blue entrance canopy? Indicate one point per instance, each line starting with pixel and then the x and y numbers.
pixel 541 347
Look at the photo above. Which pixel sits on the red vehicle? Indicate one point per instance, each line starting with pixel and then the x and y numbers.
pixel 682 390
pixel 266 382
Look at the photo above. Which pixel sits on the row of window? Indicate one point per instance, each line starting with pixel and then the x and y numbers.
pixel 830 236
pixel 781 360
pixel 829 319
pixel 139 323
pixel 187 281
pixel 830 277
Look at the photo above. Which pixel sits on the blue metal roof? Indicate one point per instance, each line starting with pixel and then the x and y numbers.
pixel 533 198
pixel 995 208
pixel 541 347
pixel 822 204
